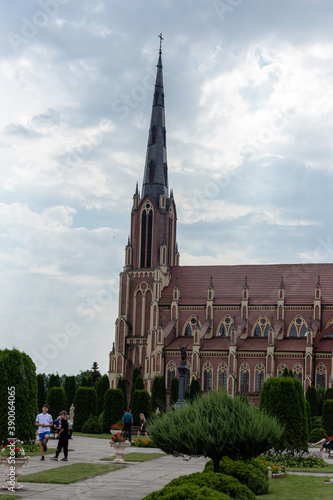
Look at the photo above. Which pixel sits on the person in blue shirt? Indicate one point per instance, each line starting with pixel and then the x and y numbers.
pixel 128 421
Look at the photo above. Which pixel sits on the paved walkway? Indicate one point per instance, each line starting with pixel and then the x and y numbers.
pixel 133 482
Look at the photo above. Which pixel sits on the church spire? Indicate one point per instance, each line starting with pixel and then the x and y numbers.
pixel 155 179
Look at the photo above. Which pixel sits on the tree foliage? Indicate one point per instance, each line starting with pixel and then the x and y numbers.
pixel 122 385
pixel 140 404
pixel 54 381
pixel 158 394
pixel 136 374
pixel 86 381
pixel 311 397
pixel 101 387
pixel 327 416
pixel 57 401
pixel 70 389
pixel 40 391
pixel 243 430
pixel 18 389
pixel 283 398
pixel 114 408
pixel 320 398
pixel 194 388
pixel 85 403
pixel 174 391
pixel 95 373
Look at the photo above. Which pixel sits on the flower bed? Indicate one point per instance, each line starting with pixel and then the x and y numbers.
pixel 294 458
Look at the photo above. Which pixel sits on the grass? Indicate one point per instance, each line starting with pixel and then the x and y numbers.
pixel 69 473
pixel 8 497
pixel 297 488
pixel 325 470
pixel 138 457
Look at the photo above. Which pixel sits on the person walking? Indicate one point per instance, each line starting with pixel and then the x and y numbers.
pixel 63 438
pixel 44 422
pixel 143 428
pixel 128 421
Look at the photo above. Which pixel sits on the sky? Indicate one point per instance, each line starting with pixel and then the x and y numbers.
pixel 249 115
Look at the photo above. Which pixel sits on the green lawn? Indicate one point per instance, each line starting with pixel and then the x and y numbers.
pixel 8 497
pixel 325 470
pixel 299 487
pixel 69 473
pixel 138 457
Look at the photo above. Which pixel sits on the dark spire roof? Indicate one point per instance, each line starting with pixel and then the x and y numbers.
pixel 155 179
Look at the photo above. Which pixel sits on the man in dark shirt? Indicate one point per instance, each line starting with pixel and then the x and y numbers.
pixel 128 421
pixel 63 438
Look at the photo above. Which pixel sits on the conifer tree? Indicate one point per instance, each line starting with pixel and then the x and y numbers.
pixel 194 388
pixel 158 394
pixel 41 391
pixel 123 387
pixel 85 404
pixel 95 373
pixel 174 391
pixel 136 374
pixel 113 409
pixel 70 389
pixel 54 381
pixel 311 397
pixel 56 399
pixel 101 387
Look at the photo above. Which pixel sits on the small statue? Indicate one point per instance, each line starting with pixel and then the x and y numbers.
pixel 71 412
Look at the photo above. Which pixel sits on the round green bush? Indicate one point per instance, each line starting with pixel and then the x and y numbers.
pixel 92 426
pixel 317 434
pixel 186 492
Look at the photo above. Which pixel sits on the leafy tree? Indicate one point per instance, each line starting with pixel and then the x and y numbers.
pixel 244 431
pixel 123 387
pixel 327 416
pixel 101 387
pixel 136 374
pixel 283 398
pixel 158 394
pixel 18 390
pixel 85 403
pixel 56 399
pixel 70 389
pixel 41 391
pixel 114 406
pixel 140 404
pixel 194 388
pixel 54 381
pixel 86 381
pixel 311 397
pixel 95 373
pixel 174 391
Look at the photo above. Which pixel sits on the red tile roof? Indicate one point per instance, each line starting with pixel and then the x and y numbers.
pixel 263 282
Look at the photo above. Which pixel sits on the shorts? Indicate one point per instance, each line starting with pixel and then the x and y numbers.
pixel 43 434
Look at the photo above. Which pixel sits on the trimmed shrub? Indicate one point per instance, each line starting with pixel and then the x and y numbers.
pixel 56 399
pixel 85 403
pixel 320 398
pixel 100 419
pixel 283 398
pixel 92 425
pixel 243 430
pixel 186 492
pixel 315 422
pixel 40 390
pixel 70 389
pixel 174 391
pixel 54 381
pixel 18 372
pixel 140 404
pixel 114 408
pixel 101 387
pixel 158 394
pixel 139 385
pixel 252 474
pixel 122 385
pixel 194 388
pixel 327 416
pixel 311 397
pixel 317 434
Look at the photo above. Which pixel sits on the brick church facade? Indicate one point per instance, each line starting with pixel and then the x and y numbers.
pixel 240 324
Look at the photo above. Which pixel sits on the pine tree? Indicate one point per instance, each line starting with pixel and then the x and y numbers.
pixel 70 389
pixel 123 387
pixel 95 373
pixel 136 374
pixel 174 391
pixel 101 387
pixel 311 397
pixel 158 394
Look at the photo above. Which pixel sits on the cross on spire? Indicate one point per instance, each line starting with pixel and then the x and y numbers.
pixel 161 38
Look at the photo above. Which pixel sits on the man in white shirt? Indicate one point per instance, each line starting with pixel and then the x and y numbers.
pixel 44 422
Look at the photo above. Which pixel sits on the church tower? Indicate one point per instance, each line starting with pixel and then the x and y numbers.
pixel 150 254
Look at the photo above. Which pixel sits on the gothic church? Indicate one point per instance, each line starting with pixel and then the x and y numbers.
pixel 241 324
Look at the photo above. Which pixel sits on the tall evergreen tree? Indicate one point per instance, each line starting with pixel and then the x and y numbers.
pixel 158 394
pixel 311 397
pixel 327 416
pixel 113 409
pixel 86 381
pixel 174 391
pixel 194 389
pixel 54 381
pixel 18 395
pixel 85 403
pixel 70 389
pixel 136 374
pixel 41 391
pixel 329 393
pixel 320 398
pixel 95 373
pixel 122 385
pixel 101 387
pixel 139 385
pixel 56 399
pixel 140 404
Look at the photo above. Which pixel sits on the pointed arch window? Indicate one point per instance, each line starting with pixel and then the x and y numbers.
pixel 321 376
pixel 207 377
pixel 298 372
pixel 146 236
pixel 298 328
pixel 259 377
pixel 244 378
pixel 222 375
pixel 225 326
pixel 190 324
pixel 261 327
pixel 281 369
pixel 171 373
